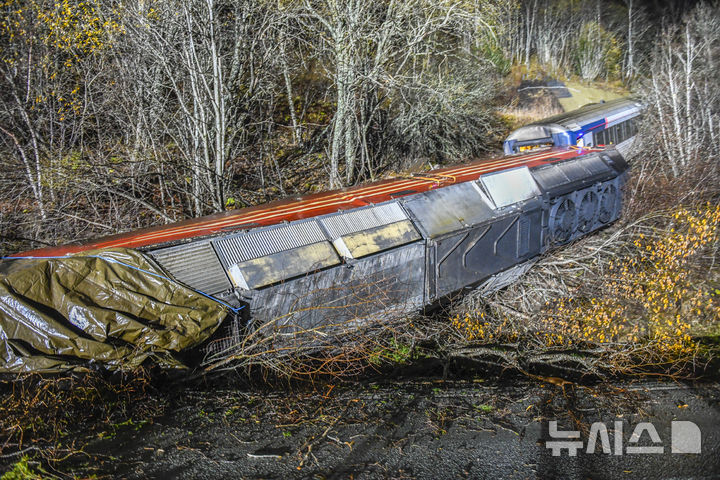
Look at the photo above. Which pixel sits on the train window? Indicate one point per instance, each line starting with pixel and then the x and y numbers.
pixel 616 134
pixel 510 186
pixel 527 148
pixel 632 127
pixel 604 135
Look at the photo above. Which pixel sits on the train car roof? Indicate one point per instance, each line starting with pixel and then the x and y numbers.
pixel 299 208
pixel 592 112
pixel 593 115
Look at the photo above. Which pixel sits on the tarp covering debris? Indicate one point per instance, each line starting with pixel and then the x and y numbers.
pixel 111 307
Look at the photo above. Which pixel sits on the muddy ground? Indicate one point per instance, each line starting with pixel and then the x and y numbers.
pixel 408 427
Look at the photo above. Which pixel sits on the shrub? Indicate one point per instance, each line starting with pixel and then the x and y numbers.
pixel 645 307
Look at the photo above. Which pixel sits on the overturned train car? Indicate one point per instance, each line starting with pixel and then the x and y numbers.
pixel 597 124
pixel 387 248
pixel 402 254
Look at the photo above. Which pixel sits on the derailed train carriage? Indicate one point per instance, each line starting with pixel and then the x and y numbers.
pixel 334 258
pixel 386 248
pixel 399 255
pixel 595 124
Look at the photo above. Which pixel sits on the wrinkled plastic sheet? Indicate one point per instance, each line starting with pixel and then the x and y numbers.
pixel 113 308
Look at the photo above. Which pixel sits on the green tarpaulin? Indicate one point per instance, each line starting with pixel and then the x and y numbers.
pixel 112 307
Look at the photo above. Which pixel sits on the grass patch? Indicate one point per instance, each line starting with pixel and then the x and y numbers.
pixel 484 408
pixel 583 94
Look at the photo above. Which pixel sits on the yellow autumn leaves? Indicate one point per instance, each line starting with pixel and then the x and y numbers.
pixel 77 27
pixel 54 37
pixel 74 27
pixel 651 297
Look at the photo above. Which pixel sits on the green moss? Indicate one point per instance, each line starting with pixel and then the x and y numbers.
pixel 484 408
pixel 395 353
pixel 22 471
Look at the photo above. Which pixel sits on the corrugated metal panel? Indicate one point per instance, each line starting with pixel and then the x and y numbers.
pixel 194 264
pixel 363 219
pixel 256 244
pixel 449 209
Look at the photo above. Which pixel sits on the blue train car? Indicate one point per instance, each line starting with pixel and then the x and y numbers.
pixel 596 124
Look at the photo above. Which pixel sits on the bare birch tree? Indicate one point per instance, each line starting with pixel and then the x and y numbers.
pixel 208 54
pixel 681 93
pixel 373 52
